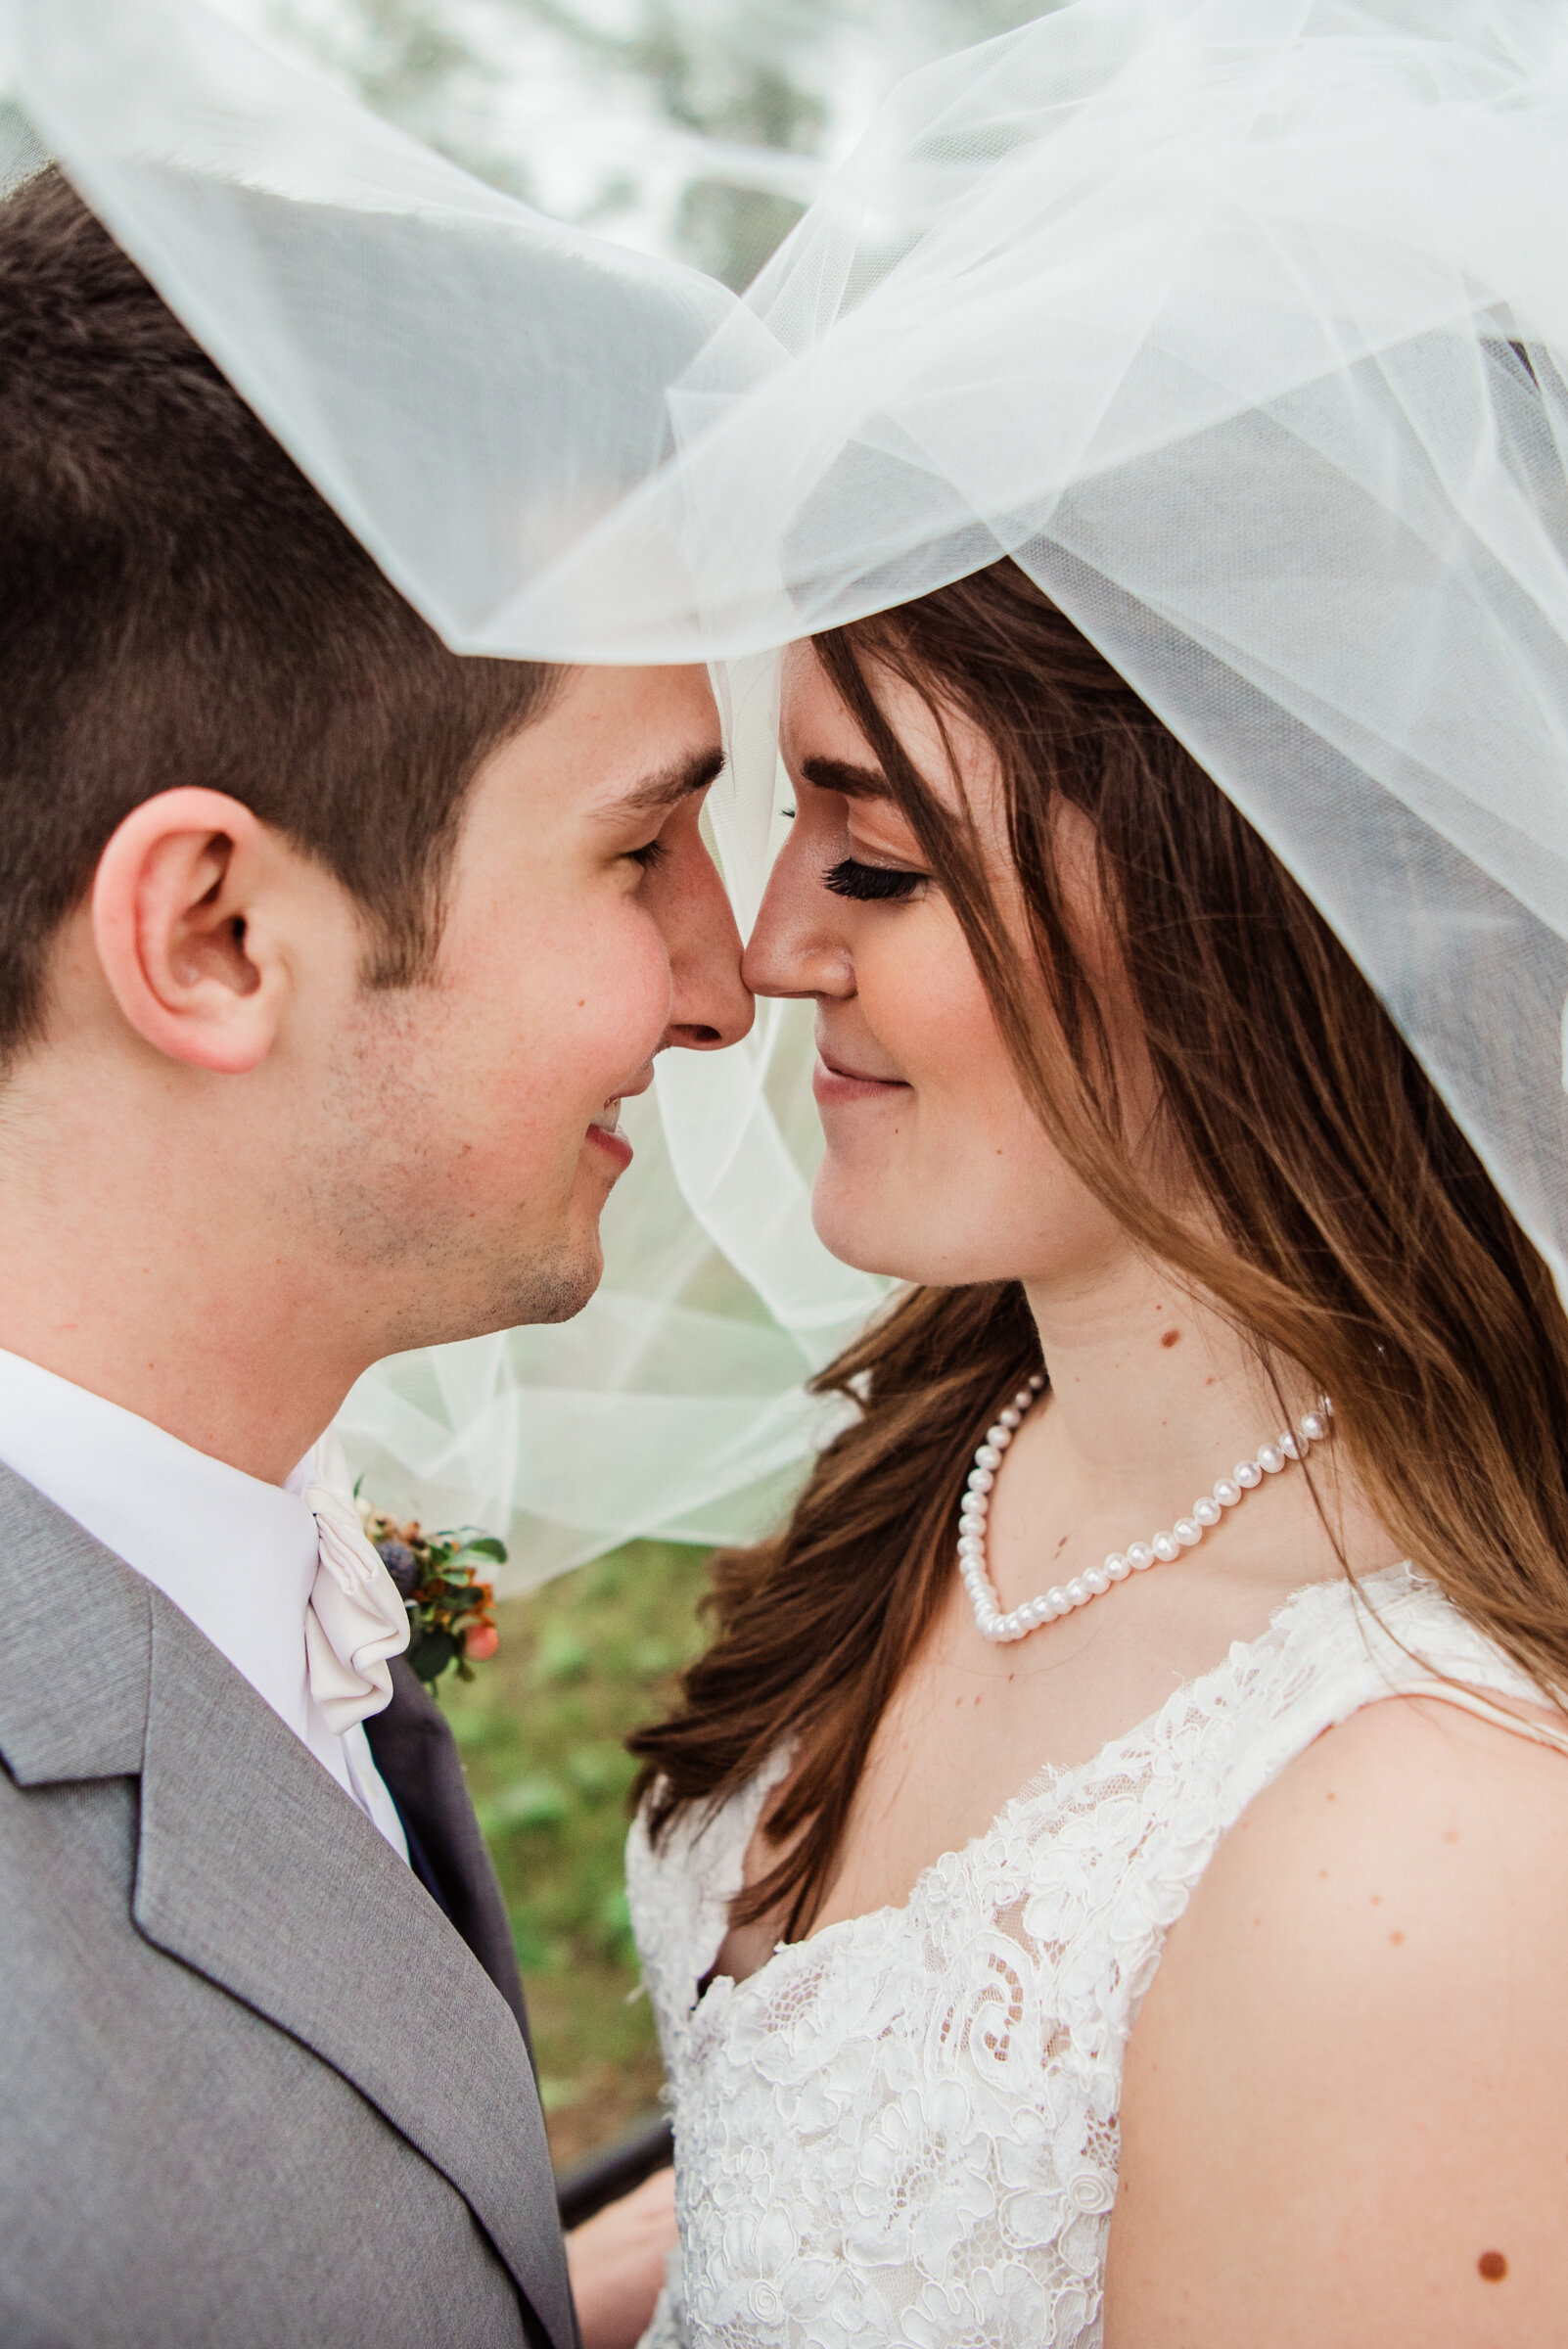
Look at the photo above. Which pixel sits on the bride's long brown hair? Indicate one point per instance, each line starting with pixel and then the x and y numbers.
pixel 1360 1236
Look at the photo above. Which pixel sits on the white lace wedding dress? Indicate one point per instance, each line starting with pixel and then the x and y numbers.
pixel 903 2130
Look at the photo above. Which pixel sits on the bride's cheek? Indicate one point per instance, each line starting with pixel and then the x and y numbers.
pixel 953 1049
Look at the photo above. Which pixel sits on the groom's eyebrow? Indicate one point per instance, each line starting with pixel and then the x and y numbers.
pixel 853 782
pixel 658 793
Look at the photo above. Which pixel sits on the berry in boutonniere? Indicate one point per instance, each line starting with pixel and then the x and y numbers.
pixel 450 1617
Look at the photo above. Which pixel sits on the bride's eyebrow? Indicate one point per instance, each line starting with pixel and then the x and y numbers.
pixel 853 782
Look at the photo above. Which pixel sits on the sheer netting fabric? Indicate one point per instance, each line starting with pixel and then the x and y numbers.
pixel 1241 325
pixel 906 2128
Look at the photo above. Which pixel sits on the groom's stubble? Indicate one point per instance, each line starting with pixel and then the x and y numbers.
pixel 381 1193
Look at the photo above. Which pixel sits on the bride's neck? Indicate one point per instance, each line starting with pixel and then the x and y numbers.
pixel 1150 1389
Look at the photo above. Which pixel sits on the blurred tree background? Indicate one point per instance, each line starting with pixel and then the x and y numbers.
pixel 540 1728
pixel 695 127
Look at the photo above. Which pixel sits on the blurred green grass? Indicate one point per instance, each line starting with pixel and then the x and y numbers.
pixel 581 1662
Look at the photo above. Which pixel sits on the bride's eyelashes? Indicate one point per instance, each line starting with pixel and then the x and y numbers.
pixel 872 883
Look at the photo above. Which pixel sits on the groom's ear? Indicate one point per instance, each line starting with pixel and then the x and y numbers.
pixel 185 910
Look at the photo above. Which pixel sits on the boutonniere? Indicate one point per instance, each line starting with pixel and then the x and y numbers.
pixel 438 1578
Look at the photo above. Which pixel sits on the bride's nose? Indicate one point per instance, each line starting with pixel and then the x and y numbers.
pixel 798 947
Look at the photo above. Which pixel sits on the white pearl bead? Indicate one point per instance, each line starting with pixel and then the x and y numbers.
pixel 998 1437
pixel 1010 1417
pixel 1288 1445
pixel 1207 1511
pixel 1075 1591
pixel 1096 1581
pixel 1227 1492
pixel 1187 1531
pixel 1022 1401
pixel 987 1456
pixel 1139 1556
pixel 1248 1474
pixel 1311 1427
pixel 1117 1568
pixel 1166 1546
pixel 1270 1459
pixel 1037 1379
pixel 1060 1604
pixel 980 1480
pixel 971 1545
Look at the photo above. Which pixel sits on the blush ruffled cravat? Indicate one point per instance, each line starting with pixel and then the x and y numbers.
pixel 356 1621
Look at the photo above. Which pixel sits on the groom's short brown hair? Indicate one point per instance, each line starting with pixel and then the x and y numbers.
pixel 179 605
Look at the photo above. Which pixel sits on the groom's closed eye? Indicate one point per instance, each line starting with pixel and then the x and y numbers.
pixel 654 796
pixel 655 799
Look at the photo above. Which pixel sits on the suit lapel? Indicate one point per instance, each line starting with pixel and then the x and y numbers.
pixel 74 1659
pixel 255 1868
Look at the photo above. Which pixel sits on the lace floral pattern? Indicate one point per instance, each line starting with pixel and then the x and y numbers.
pixel 903 2130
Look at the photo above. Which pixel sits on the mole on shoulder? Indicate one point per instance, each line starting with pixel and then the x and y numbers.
pixel 1171 1337
pixel 1492 2266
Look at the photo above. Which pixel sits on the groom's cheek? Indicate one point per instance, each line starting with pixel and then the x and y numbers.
pixel 582 1011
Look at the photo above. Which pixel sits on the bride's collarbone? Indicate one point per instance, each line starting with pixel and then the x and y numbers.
pixel 972 1726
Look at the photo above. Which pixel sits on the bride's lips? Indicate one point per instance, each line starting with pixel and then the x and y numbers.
pixel 834 1082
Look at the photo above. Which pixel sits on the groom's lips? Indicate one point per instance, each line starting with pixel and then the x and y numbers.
pixel 605 1129
pixel 834 1081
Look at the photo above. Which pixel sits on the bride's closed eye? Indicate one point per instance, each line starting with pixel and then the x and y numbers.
pixel 872 883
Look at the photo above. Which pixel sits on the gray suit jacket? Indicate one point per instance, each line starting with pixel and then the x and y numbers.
pixel 255 2090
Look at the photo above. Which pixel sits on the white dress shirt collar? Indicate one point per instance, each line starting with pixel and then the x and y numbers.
pixel 235 1556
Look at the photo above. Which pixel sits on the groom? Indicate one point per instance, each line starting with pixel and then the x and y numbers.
pixel 326 959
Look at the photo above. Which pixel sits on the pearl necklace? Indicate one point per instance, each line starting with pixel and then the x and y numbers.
pixel 1186 1534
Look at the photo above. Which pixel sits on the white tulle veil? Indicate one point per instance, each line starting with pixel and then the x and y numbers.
pixel 1239 323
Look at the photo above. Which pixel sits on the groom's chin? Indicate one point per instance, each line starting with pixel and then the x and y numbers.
pixel 547 1288
pixel 556 1290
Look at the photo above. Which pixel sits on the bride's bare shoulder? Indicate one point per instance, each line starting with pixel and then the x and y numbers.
pixel 1342 2113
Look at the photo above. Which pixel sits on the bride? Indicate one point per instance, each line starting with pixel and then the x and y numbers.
pixel 1104 1879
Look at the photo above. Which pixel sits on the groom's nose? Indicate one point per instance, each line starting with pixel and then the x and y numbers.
pixel 710 1004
